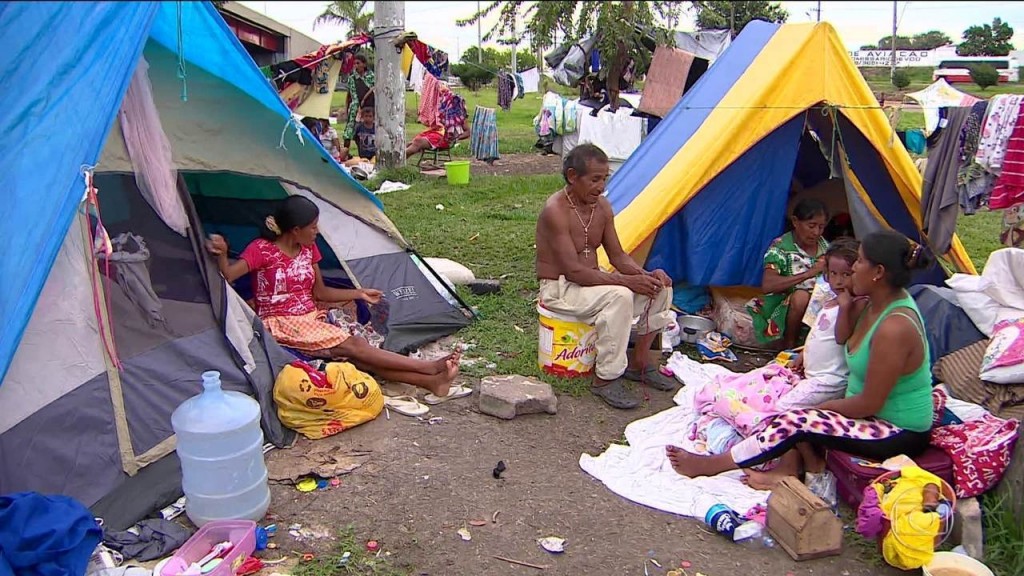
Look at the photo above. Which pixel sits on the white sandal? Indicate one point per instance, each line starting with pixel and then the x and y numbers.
pixel 405 405
pixel 456 391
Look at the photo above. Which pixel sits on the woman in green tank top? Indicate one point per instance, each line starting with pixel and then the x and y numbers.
pixel 887 410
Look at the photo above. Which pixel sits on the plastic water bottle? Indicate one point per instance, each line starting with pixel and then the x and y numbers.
pixel 220 445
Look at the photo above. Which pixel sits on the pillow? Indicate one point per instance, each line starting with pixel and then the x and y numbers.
pixel 1004 358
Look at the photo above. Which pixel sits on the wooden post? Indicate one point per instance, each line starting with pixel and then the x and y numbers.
pixel 389 22
pixel 892 68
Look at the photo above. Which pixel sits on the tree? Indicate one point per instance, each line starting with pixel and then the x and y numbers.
pixel 902 43
pixel 494 59
pixel 901 79
pixel 987 40
pixel 868 47
pixel 931 40
pixel 471 76
pixel 984 75
pixel 347 14
pixel 735 15
pixel 619 26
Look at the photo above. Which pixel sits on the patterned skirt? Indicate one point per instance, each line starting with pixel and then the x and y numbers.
pixel 306 333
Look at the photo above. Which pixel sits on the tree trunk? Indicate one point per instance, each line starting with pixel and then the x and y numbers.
pixel 389 22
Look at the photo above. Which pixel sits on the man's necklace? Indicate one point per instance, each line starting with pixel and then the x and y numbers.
pixel 586 225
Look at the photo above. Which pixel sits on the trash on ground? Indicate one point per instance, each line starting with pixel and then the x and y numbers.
pixel 439 207
pixel 308 557
pixel 464 534
pixel 552 544
pixel 685 564
pixel 494 517
pixel 326 458
pixel 519 562
pixel 306 485
pixel 498 470
pixel 309 533
pixel 435 420
pixel 389 186
pixel 344 558
pixel 372 546
pixel 478 523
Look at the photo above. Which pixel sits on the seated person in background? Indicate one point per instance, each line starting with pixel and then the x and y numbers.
pixel 430 139
pixel 327 135
pixel 288 286
pixel 791 264
pixel 366 135
pixel 887 409
pixel 571 282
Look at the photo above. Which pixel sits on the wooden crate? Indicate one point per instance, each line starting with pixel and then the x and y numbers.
pixel 803 524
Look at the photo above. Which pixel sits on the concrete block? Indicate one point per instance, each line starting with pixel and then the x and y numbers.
pixel 510 396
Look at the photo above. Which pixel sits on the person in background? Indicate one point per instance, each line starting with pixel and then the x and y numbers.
pixel 361 83
pixel 323 131
pixel 366 134
pixel 887 409
pixel 289 288
pixel 791 264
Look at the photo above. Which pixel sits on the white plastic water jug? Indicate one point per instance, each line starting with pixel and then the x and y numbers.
pixel 220 445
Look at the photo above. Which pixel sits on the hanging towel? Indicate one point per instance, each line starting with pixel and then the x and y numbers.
pixel 483 139
pixel 429 101
pixel 519 87
pixel 665 80
pixel 1009 189
pixel 416 73
pixel 531 81
pixel 940 202
pixel 506 85
pixel 617 133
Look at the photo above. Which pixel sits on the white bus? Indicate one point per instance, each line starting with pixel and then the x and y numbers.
pixel 958 69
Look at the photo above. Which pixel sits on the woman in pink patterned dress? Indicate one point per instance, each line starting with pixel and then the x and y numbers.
pixel 288 286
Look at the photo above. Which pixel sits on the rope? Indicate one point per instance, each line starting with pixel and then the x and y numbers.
pixel 92 203
pixel 182 74
pixel 284 131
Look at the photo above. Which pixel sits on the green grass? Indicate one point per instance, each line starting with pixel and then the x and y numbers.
pixel 489 227
pixel 1004 538
pixel 359 562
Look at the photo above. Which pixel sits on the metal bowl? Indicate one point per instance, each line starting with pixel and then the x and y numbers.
pixel 693 328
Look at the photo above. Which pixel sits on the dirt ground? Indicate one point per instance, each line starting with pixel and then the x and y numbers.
pixel 528 164
pixel 423 482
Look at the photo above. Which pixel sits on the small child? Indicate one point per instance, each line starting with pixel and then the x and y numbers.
pixel 823 360
pixel 366 134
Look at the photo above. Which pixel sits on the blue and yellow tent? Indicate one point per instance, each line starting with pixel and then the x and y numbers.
pixel 707 191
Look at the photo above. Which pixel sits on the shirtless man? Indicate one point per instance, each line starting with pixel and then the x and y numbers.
pixel 575 221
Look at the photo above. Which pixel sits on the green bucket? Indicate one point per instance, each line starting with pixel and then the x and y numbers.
pixel 458 171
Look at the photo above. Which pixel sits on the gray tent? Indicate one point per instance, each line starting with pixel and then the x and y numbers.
pixel 116 342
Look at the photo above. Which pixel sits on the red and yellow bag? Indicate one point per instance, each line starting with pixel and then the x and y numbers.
pixel 318 405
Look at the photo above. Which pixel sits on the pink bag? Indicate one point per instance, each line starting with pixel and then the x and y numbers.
pixel 981 451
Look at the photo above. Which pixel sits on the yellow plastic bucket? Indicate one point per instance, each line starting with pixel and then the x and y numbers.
pixel 566 347
pixel 953 564
pixel 457 171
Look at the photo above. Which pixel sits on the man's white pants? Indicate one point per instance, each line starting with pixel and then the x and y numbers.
pixel 611 310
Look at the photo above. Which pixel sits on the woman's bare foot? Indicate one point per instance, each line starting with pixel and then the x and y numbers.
pixel 442 365
pixel 442 382
pixel 764 480
pixel 694 465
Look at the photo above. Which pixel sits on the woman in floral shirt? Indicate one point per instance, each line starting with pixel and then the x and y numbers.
pixel 361 82
pixel 791 264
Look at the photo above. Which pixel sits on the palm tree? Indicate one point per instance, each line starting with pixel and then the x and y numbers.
pixel 348 13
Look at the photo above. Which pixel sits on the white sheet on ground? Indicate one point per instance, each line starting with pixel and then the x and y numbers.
pixel 641 471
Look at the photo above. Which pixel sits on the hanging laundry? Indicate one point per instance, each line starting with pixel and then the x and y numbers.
pixel 483 139
pixel 519 87
pixel 617 133
pixel 940 203
pixel 973 182
pixel 1009 189
pixel 665 80
pixel 531 80
pixel 429 101
pixel 995 135
pixel 506 85
pixel 1012 234
pixel 416 74
pixel 915 141
pixel 452 110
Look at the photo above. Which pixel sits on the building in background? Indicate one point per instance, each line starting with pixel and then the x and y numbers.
pixel 267 40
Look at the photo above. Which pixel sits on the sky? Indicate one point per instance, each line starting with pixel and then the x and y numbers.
pixel 858 23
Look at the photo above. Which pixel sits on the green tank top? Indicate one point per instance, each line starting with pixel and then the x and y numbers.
pixel 909 405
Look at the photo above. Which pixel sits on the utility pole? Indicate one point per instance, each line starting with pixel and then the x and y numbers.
pixel 892 68
pixel 818 11
pixel 389 22
pixel 479 36
pixel 732 19
pixel 515 38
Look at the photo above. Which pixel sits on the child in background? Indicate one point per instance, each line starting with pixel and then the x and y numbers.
pixel 366 134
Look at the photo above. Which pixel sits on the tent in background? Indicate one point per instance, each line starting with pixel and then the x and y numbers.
pixel 706 193
pixel 94 355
